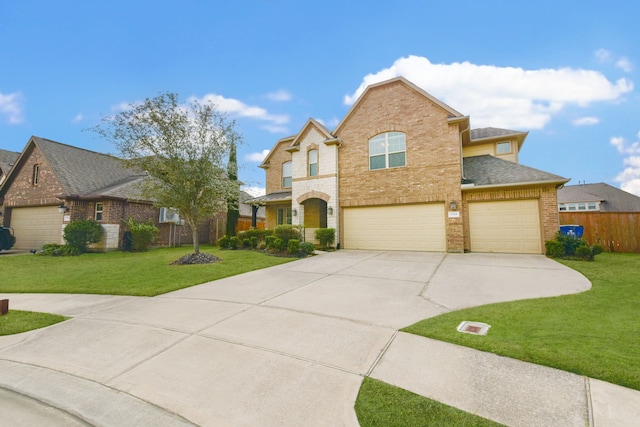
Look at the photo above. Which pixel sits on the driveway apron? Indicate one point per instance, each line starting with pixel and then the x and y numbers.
pixel 288 345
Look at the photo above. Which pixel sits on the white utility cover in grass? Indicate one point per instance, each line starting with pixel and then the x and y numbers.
pixel 507 226
pixel 33 227
pixel 401 227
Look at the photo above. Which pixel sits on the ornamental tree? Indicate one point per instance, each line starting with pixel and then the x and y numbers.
pixel 182 148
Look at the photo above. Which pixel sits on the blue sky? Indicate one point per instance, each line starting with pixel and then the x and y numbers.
pixel 564 71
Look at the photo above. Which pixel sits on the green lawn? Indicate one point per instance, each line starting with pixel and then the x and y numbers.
pixel 16 321
pixel 382 405
pixel 595 333
pixel 124 273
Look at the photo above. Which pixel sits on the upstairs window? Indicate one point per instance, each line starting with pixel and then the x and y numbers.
pixel 503 147
pixel 36 174
pixel 99 208
pixel 286 175
pixel 387 150
pixel 313 162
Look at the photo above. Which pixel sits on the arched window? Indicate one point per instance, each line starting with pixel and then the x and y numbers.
pixel 36 174
pixel 313 162
pixel 286 175
pixel 387 150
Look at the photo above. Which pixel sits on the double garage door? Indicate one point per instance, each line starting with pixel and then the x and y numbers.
pixel 405 227
pixel 33 227
pixel 504 226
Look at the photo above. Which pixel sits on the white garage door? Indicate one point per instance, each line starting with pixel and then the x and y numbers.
pixel 509 227
pixel 404 227
pixel 33 227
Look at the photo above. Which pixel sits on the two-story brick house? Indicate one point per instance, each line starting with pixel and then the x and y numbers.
pixel 404 171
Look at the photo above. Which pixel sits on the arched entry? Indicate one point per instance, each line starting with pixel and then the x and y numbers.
pixel 315 213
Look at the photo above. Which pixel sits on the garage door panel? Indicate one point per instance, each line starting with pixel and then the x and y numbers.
pixel 403 227
pixel 506 226
pixel 34 227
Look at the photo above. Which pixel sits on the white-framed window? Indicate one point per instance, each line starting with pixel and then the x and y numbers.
pixel 579 206
pixel 36 174
pixel 387 150
pixel 286 174
pixel 313 162
pixel 503 147
pixel 99 209
pixel 284 216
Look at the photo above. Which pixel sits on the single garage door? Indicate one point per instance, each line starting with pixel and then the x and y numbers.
pixel 403 227
pixel 508 226
pixel 33 227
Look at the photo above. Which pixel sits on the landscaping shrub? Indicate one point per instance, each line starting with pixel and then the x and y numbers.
pixel 81 233
pixel 246 243
pixel 293 247
pixel 307 248
pixel 270 240
pixel 584 252
pixel 326 237
pixel 287 232
pixel 569 247
pixel 143 234
pixel 554 249
pixel 233 242
pixel 255 232
pixel 279 245
pixel 253 241
pixel 223 242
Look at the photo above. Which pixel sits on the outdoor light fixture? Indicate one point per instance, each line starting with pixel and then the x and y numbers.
pixel 330 210
pixel 295 212
pixel 62 208
pixel 453 206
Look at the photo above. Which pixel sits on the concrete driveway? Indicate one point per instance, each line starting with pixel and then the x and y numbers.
pixel 288 345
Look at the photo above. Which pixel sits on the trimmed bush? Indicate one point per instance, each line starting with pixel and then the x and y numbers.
pixel 307 248
pixel 279 245
pixel 233 242
pixel 223 242
pixel 246 243
pixel 554 249
pixel 287 232
pixel 255 232
pixel 143 234
pixel 270 240
pixel 584 252
pixel 253 241
pixel 326 237
pixel 293 247
pixel 81 233
pixel 570 247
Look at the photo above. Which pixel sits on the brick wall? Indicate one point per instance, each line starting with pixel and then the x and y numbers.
pixel 274 170
pixel 432 172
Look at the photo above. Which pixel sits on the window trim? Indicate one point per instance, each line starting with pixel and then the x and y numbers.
pixel 388 153
pixel 579 207
pixel 284 177
pixel 500 153
pixel 316 163
pixel 99 213
pixel 35 180
pixel 283 216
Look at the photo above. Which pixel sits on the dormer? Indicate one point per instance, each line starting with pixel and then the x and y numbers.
pixel 501 143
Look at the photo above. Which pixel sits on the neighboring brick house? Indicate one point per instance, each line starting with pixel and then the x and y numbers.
pixel 403 171
pixel 52 184
pixel 7 160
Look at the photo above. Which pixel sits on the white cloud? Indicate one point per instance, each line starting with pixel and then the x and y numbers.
pixel 240 109
pixel 586 121
pixel 603 55
pixel 11 107
pixel 254 191
pixel 629 178
pixel 78 118
pixel 256 157
pixel 624 64
pixel 281 95
pixel 507 97
pixel 275 129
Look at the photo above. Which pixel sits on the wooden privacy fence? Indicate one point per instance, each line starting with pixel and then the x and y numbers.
pixel 615 231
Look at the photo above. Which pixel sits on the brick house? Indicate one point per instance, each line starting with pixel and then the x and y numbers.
pixel 52 184
pixel 404 171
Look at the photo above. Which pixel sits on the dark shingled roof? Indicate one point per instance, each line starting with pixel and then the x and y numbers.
pixel 281 196
pixel 7 160
pixel 245 209
pixel 82 172
pixel 484 133
pixel 611 199
pixel 490 170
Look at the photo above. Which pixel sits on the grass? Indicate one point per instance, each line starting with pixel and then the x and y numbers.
pixel 382 405
pixel 124 273
pixel 595 333
pixel 16 321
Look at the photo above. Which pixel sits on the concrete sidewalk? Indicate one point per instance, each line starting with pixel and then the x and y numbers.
pixel 290 345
